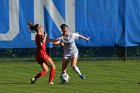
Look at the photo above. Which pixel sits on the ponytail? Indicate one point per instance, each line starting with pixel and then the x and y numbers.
pixel 32 27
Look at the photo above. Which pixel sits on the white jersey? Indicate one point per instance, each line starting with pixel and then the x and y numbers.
pixel 69 48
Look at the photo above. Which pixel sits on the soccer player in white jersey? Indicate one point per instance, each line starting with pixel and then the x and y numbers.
pixel 70 51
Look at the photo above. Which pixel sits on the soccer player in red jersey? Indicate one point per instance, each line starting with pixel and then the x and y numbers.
pixel 42 57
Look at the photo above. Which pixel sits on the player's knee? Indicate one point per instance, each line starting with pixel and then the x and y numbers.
pixel 53 67
pixel 46 70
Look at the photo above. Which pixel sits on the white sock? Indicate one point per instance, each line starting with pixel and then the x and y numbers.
pixel 76 69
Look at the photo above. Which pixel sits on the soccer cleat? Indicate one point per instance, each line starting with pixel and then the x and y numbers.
pixel 51 83
pixel 62 82
pixel 82 76
pixel 33 80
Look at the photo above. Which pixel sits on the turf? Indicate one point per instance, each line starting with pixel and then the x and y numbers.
pixel 101 77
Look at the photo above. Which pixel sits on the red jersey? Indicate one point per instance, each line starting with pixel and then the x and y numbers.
pixel 41 55
pixel 41 47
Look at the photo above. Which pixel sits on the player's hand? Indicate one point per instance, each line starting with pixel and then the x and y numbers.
pixel 88 38
pixel 45 34
pixel 56 43
pixel 62 44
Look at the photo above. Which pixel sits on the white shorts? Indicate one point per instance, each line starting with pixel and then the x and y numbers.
pixel 68 57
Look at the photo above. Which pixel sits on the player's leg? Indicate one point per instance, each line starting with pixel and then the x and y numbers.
pixel 75 68
pixel 52 71
pixel 64 65
pixel 64 68
pixel 42 73
pixel 74 65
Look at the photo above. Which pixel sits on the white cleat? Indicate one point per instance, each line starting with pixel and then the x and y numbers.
pixel 51 83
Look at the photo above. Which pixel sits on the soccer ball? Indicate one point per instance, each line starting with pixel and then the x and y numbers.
pixel 65 77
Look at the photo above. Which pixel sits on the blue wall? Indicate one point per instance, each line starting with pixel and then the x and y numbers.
pixel 108 22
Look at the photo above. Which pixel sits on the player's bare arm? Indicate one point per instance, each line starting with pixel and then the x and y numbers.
pixel 81 36
pixel 51 40
pixel 45 37
pixel 58 43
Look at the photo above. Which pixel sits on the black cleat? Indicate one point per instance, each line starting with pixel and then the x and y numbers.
pixel 33 80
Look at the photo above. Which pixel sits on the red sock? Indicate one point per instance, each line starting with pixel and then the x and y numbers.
pixel 42 73
pixel 52 72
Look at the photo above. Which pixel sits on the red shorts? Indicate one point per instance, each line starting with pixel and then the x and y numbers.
pixel 42 58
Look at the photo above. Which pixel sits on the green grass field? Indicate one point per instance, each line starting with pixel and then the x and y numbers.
pixel 101 77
